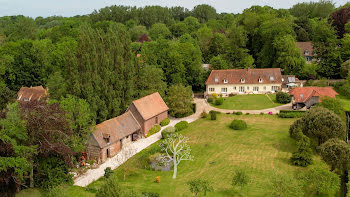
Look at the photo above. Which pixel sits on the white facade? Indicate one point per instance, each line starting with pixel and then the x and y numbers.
pixel 226 89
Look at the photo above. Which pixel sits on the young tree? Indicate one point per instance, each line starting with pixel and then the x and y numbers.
pixel 320 180
pixel 303 157
pixel 197 185
pixel 179 100
pixel 336 153
pixel 176 149
pixel 240 178
pixel 285 185
pixel 158 31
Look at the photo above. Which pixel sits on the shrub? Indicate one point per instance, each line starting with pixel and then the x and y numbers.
pixel 210 100
pixel 155 129
pixel 110 188
pixel 232 94
pixel 261 113
pixel 214 95
pixel 108 172
pixel 181 126
pixel 239 113
pixel 212 115
pixel 219 101
pixel 204 114
pixel 247 114
pixel 303 157
pixel 167 131
pixel 238 125
pixel 291 114
pixel 165 122
pixel 282 97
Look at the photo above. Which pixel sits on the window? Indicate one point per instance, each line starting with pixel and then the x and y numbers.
pixel 260 80
pixel 301 96
pixel 272 78
pixel 247 87
pixel 274 88
pixel 216 80
pixel 256 89
pixel 225 81
pixel 264 87
pixel 224 90
pixel 242 80
pixel 235 88
pixel 241 89
pixel 211 89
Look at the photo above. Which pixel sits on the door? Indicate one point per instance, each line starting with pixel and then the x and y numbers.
pixel 107 152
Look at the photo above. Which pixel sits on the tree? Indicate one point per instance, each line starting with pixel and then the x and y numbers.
pixel 136 32
pixel 178 29
pixel 335 153
pixel 345 68
pixel 303 157
pixel 204 13
pixel 158 31
pixel 176 149
pixel 192 24
pixel 285 185
pixel 240 178
pixel 339 18
pixel 179 100
pixel 6 95
pixel 218 63
pixel 204 37
pixel 333 105
pixel 149 73
pixel 320 180
pixel 197 185
pixel 319 124
pixel 282 97
pixel 56 85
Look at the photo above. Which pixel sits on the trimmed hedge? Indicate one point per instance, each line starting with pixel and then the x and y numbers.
pixel 238 125
pixel 212 115
pixel 167 131
pixel 239 113
pixel 219 101
pixel 165 122
pixel 181 126
pixel 290 114
pixel 155 129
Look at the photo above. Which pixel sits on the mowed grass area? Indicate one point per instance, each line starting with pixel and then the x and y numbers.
pixel 63 191
pixel 263 149
pixel 249 102
pixel 345 101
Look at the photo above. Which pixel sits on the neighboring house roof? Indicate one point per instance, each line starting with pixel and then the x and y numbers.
pixel 115 129
pixel 289 79
pixel 31 94
pixel 306 48
pixel 150 106
pixel 302 95
pixel 245 76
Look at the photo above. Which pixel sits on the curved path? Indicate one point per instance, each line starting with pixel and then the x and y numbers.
pixel 135 147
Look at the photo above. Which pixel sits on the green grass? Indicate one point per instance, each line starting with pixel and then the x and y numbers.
pixel 249 102
pixel 64 191
pixel 345 101
pixel 262 149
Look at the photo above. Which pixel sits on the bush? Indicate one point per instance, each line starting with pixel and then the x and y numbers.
pixel 212 115
pixel 155 129
pixel 239 113
pixel 210 100
pixel 165 122
pixel 303 157
pixel 247 114
pixel 282 97
pixel 167 131
pixel 261 113
pixel 219 101
pixel 204 114
pixel 214 95
pixel 290 114
pixel 181 126
pixel 108 172
pixel 110 188
pixel 232 94
pixel 238 125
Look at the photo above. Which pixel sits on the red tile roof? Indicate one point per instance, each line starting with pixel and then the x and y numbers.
pixel 305 46
pixel 31 94
pixel 116 128
pixel 250 76
pixel 302 95
pixel 150 106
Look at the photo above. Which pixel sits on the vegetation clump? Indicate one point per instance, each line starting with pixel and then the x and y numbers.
pixel 155 129
pixel 181 126
pixel 164 122
pixel 282 97
pixel 238 125
pixel 168 131
pixel 290 114
pixel 219 101
pixel 204 114
pixel 212 115
pixel 303 157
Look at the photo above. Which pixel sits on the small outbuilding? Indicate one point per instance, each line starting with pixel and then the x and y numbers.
pixel 309 96
pixel 36 93
pixel 149 111
pixel 110 136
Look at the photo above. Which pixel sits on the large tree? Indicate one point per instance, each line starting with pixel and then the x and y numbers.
pixel 204 13
pixel 336 153
pixel 179 100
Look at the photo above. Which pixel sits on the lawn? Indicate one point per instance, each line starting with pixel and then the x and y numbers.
pixel 345 101
pixel 262 149
pixel 249 102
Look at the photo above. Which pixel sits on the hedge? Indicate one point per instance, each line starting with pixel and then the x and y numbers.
pixel 238 125
pixel 239 113
pixel 165 122
pixel 155 129
pixel 290 114
pixel 167 131
pixel 212 115
pixel 181 125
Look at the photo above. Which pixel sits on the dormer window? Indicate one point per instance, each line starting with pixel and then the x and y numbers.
pixel 242 80
pixel 106 137
pixel 260 80
pixel 26 99
pixel 225 81
pixel 216 80
pixel 272 78
pixel 301 96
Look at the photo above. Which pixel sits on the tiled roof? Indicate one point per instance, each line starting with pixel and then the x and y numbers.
pixel 150 106
pixel 290 79
pixel 302 95
pixel 31 94
pixel 250 76
pixel 116 128
pixel 305 46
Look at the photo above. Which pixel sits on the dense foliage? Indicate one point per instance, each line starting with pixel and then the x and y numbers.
pixel 238 125
pixel 283 97
pixel 303 157
pixel 181 125
pixel 164 122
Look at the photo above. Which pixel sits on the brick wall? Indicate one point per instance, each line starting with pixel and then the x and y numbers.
pixel 155 120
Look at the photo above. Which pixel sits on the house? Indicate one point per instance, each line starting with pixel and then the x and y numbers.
pixel 148 111
pixel 309 96
pixel 244 81
pixel 110 136
pixel 36 93
pixel 306 51
pixel 290 81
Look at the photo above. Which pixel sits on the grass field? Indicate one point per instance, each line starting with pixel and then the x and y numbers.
pixel 249 102
pixel 345 101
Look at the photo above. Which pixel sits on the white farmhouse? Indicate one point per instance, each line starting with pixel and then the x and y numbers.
pixel 244 81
